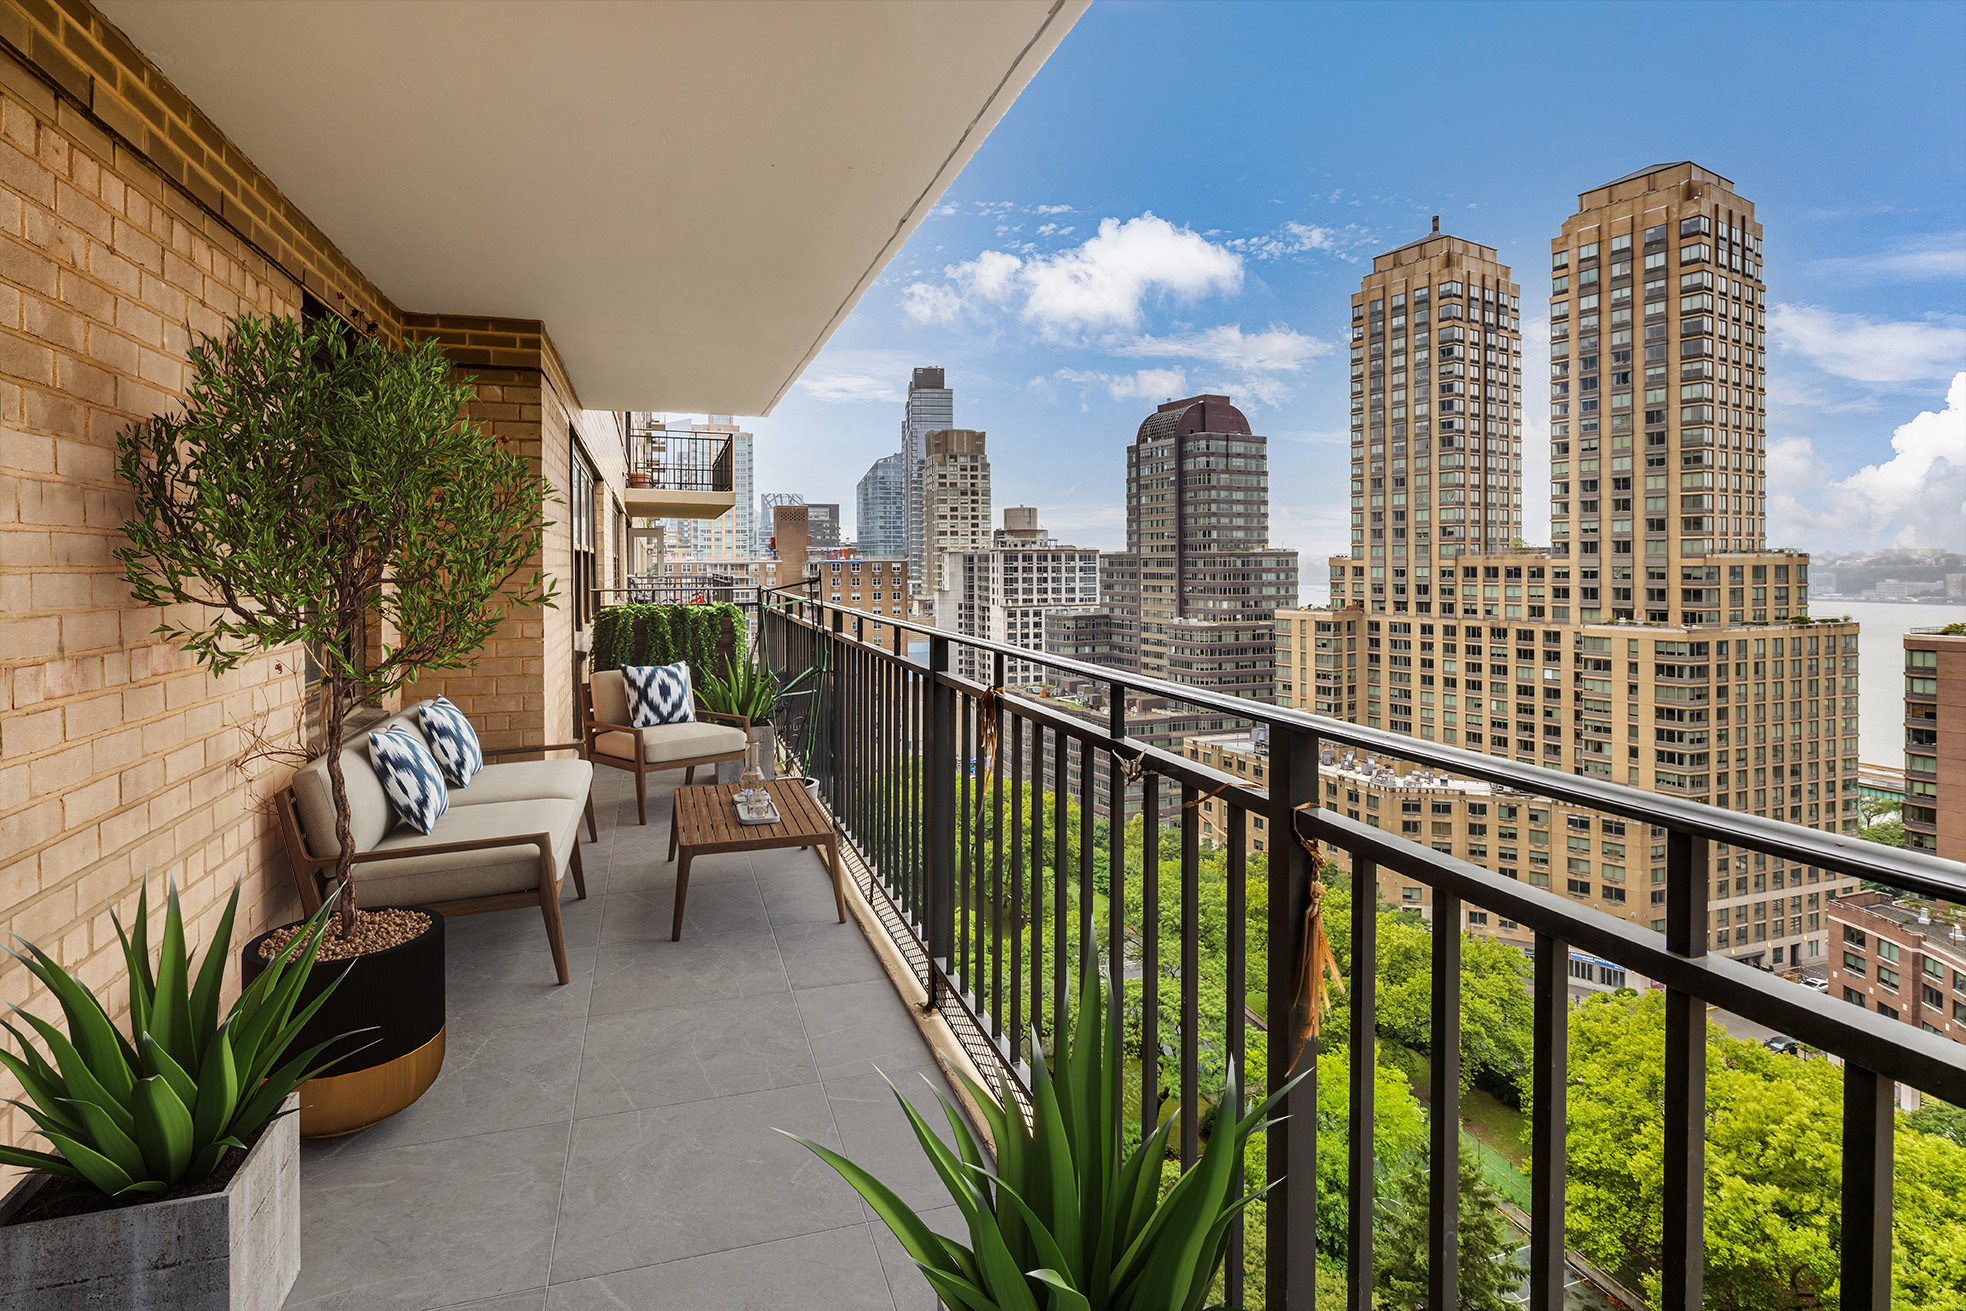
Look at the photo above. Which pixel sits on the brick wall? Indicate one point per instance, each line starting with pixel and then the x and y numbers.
pixel 128 223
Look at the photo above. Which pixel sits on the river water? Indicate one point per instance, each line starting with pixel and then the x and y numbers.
pixel 1881 667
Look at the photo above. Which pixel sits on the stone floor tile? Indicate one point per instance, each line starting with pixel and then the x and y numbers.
pixel 837 1270
pixel 660 1056
pixel 856 1027
pixel 635 975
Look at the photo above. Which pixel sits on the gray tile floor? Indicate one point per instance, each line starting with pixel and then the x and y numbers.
pixel 609 1144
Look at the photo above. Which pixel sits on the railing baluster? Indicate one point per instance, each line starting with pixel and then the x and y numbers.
pixel 1290 1267
pixel 1444 1115
pixel 1190 971
pixel 1234 965
pixel 1115 840
pixel 941 826
pixel 1060 968
pixel 1868 1115
pixel 1362 1163
pixel 1149 955
pixel 1088 942
pixel 995 925
pixel 1016 924
pixel 1550 1087
pixel 965 778
pixel 1683 1250
pixel 1037 886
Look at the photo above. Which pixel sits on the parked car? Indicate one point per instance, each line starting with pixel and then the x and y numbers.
pixel 1783 1044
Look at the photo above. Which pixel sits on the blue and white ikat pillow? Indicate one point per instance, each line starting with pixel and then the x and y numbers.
pixel 659 694
pixel 451 740
pixel 410 777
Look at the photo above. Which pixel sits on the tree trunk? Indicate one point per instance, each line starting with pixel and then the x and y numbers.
pixel 348 917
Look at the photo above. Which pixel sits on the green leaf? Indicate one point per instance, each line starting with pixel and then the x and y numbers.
pixel 163 1129
pixel 93 1034
pixel 1063 1296
pixel 102 1133
pixel 32 1160
pixel 897 1215
pixel 211 980
pixel 218 1089
pixel 1052 1152
pixel 157 1061
pixel 170 1019
pixel 77 1074
pixel 105 1174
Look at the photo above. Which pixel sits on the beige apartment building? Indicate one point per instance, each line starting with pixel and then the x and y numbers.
pixel 1657 641
pixel 955 483
pixel 1935 742
pixel 1436 405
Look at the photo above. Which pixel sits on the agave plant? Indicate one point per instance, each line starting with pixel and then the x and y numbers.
pixel 141 1114
pixel 749 689
pixel 1063 1222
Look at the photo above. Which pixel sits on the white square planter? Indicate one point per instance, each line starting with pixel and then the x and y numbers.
pixel 234 1250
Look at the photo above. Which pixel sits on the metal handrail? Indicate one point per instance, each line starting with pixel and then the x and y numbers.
pixel 889 756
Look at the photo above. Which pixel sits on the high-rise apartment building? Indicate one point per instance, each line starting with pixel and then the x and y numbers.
pixel 1198 522
pixel 1905 960
pixel 880 520
pixel 1656 642
pixel 931 407
pixel 955 498
pixel 823 523
pixel 1004 592
pixel 1935 742
pixel 734 534
pixel 1456 395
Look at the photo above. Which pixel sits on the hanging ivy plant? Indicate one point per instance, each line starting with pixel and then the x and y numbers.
pixel 664 634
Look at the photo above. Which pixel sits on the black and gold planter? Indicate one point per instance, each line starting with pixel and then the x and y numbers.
pixel 397 996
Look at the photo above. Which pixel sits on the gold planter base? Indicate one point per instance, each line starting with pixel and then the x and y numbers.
pixel 338 1104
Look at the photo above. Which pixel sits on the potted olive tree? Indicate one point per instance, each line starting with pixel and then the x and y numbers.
pixel 326 493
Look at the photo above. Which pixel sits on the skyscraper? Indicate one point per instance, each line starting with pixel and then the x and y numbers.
pixel 955 497
pixel 1198 522
pixel 931 406
pixel 1459 396
pixel 880 520
pixel 1005 591
pixel 1727 693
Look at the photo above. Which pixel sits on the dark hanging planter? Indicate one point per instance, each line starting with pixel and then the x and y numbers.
pixel 395 998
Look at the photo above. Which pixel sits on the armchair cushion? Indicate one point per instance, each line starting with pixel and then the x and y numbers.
pixel 659 694
pixel 370 816
pixel 451 740
pixel 449 876
pixel 410 778
pixel 666 742
pixel 527 780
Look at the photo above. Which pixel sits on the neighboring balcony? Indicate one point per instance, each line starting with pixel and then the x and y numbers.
pixel 680 474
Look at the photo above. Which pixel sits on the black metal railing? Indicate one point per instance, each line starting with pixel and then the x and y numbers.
pixel 988 864
pixel 681 461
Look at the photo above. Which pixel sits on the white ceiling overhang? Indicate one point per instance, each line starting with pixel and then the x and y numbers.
pixel 690 195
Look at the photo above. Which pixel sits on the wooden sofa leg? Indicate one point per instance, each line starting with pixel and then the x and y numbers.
pixel 642 793
pixel 579 873
pixel 549 908
pixel 593 834
pixel 689 776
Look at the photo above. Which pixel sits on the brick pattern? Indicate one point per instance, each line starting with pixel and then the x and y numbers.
pixel 128 223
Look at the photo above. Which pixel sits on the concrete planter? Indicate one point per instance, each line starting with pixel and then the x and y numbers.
pixel 765 738
pixel 234 1250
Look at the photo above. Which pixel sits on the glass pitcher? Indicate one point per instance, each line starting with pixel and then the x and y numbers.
pixel 751 783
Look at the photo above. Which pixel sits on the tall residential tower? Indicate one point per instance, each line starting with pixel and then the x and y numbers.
pixel 1656 642
pixel 931 407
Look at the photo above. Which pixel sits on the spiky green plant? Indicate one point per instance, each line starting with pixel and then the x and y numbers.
pixel 140 1114
pixel 1063 1222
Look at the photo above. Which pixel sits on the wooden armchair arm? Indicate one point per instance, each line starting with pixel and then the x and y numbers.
pixel 741 720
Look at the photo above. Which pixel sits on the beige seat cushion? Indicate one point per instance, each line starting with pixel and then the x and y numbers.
pixel 667 742
pixel 450 876
pixel 526 780
pixel 609 694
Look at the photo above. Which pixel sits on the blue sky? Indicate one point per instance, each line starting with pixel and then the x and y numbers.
pixel 1184 197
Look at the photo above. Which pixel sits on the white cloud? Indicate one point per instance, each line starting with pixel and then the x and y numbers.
pixel 1150 385
pixel 1103 283
pixel 1277 349
pixel 1910 259
pixel 849 388
pixel 925 302
pixel 1867 350
pixel 1915 498
pixel 1051 209
pixel 1292 238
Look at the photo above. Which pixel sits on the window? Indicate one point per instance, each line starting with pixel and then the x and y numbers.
pixel 1409 896
pixel 1853 936
pixel 581 512
pixel 1853 964
pixel 1887 950
pixel 1854 997
pixel 1887 978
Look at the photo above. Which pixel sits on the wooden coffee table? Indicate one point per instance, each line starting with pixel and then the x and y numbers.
pixel 705 822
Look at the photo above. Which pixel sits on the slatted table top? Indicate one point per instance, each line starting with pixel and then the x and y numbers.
pixel 706 818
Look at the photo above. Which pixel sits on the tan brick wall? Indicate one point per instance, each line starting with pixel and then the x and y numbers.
pixel 129 223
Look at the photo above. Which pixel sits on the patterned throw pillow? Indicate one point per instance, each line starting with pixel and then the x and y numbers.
pixel 409 775
pixel 451 740
pixel 659 694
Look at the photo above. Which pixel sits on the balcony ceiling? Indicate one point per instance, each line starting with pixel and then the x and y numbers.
pixel 691 196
